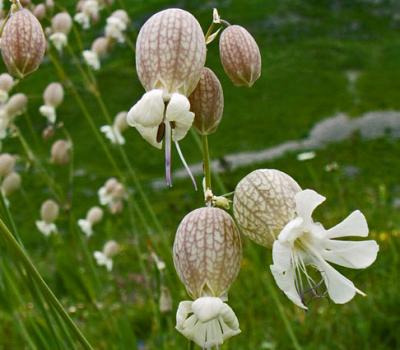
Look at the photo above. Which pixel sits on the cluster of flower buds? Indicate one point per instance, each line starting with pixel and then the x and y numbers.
pixel 112 195
pixel 170 56
pixel 117 24
pixel 48 213
pixel 207 254
pixel 93 217
pixel 272 210
pixel 23 43
pixel 61 25
pixel 60 152
pixel 99 49
pixel 114 132
pixel 6 84
pixel 10 179
pixel 53 96
pixel 104 257
pixel 15 106
pixel 88 11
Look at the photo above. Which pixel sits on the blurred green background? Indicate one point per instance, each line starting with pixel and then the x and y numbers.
pixel 320 58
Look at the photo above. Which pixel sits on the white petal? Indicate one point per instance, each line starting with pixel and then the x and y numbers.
pixel 306 202
pixel 292 230
pixel 354 225
pixel 148 111
pixel 86 227
pixel 281 255
pixel 285 279
pixel 150 135
pixel 207 308
pixel 340 289
pixel 178 111
pixel 352 254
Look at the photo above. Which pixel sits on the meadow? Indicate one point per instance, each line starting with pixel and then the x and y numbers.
pixel 319 59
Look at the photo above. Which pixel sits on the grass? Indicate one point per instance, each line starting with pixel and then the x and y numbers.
pixel 307 48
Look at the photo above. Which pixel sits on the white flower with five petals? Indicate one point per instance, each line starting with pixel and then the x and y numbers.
pixel 303 242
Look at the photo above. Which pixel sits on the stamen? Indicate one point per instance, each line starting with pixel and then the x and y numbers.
pixel 167 145
pixel 185 165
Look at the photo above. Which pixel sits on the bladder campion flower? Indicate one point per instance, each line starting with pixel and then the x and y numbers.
pixel 112 195
pixel 60 152
pixel 49 213
pixel 207 255
pixel 93 216
pixel 170 56
pixel 104 258
pixel 99 49
pixel 23 43
pixel 7 163
pixel 6 84
pixel 114 132
pixel 61 25
pixel 116 26
pixel 270 207
pixel 53 96
pixel 240 56
pixel 11 183
pixel 88 9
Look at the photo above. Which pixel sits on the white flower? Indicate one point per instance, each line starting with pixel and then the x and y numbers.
pixel 103 260
pixel 304 242
pixel 86 227
pixel 59 40
pixel 83 19
pixel 115 29
pixel 49 112
pixel 105 197
pixel 207 321
pixel 92 59
pixel 113 134
pixel 157 118
pixel 47 228
pixel 3 96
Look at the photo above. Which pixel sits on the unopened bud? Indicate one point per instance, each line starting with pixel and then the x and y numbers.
pixel 170 52
pixel 16 105
pixel 39 11
pixel 49 211
pixel 60 152
pixel 94 215
pixel 53 94
pixel 23 43
pixel 11 183
pixel 240 56
pixel 7 163
pixel 207 103
pixel 61 23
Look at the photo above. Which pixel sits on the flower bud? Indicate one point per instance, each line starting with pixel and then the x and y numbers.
pixel 264 203
pixel 6 82
pixel 11 183
pixel 16 105
pixel 207 103
pixel 240 56
pixel 49 211
pixel 101 46
pixel 207 252
pixel 61 23
pixel 7 163
pixel 111 248
pixel 53 94
pixel 39 11
pixel 94 215
pixel 60 152
pixel 170 52
pixel 23 43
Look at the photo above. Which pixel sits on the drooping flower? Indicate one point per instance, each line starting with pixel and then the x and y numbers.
pixel 303 242
pixel 7 163
pixel 93 216
pixel 53 96
pixel 169 64
pixel 48 212
pixel 88 10
pixel 60 152
pixel 61 25
pixel 112 195
pixel 10 184
pixel 116 26
pixel 207 255
pixel 114 132
pixel 271 209
pixel 104 257
pixel 6 84
pixel 99 49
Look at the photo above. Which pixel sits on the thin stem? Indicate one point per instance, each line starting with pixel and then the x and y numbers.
pixel 206 161
pixel 46 291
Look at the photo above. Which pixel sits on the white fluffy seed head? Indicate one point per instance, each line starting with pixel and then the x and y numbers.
pixel 23 43
pixel 11 183
pixel 170 52
pixel 207 252
pixel 6 82
pixel 94 215
pixel 240 56
pixel 7 163
pixel 53 95
pixel 49 211
pixel 264 203
pixel 61 23
pixel 101 46
pixel 207 103
pixel 60 152
pixel 111 248
pixel 16 105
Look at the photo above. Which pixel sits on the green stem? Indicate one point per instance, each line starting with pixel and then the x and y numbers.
pixel 44 288
pixel 206 161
